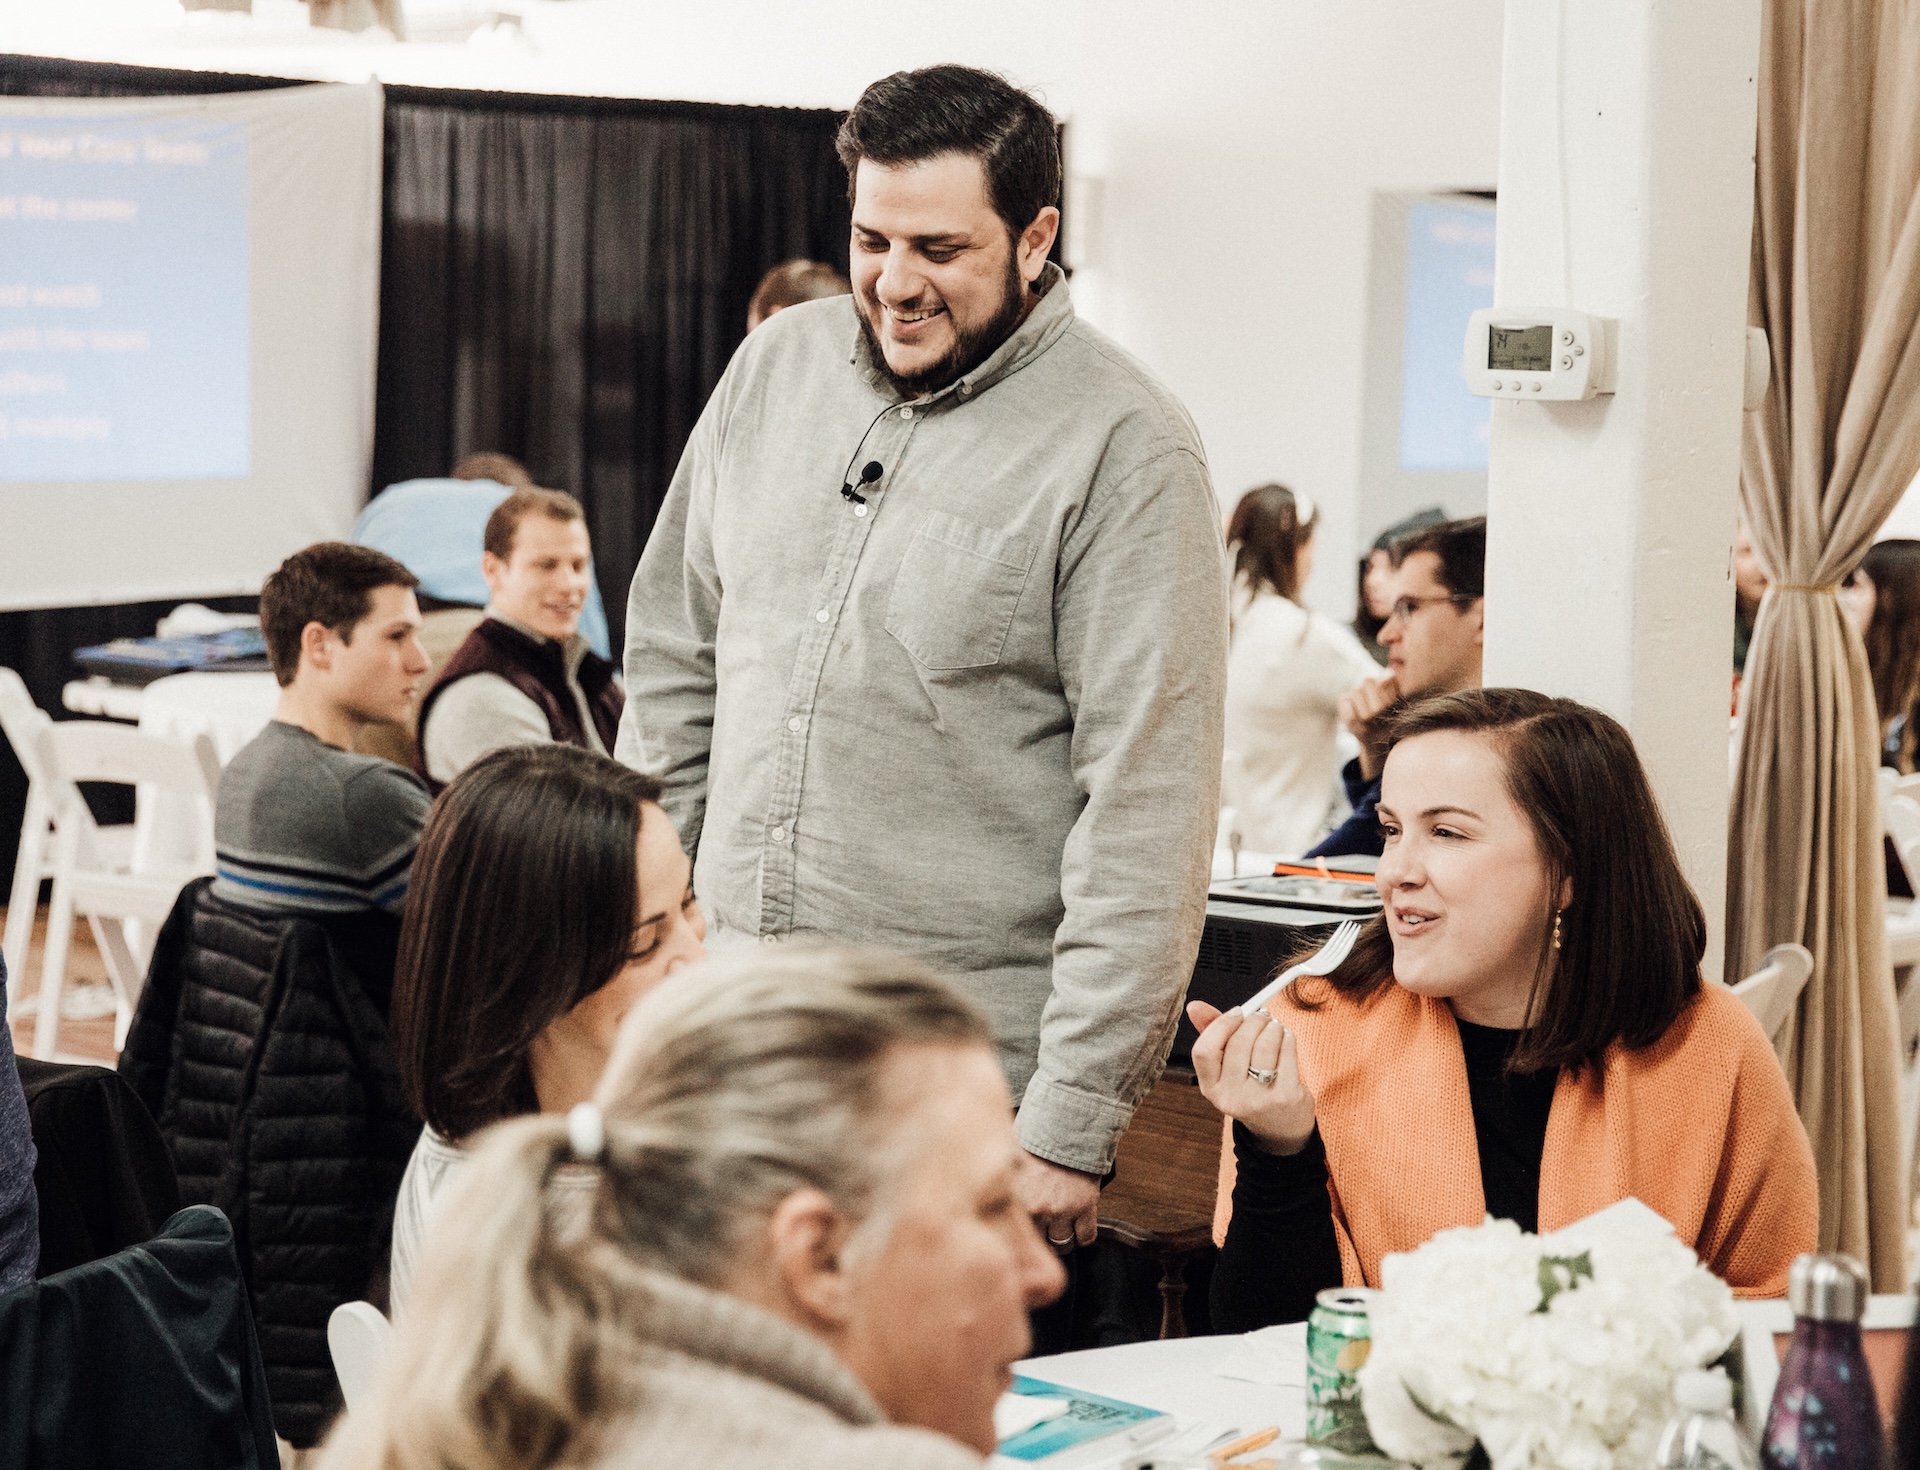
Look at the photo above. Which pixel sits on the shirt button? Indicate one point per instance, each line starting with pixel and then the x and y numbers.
pixel 859 510
pixel 769 938
pixel 793 722
pixel 821 616
pixel 778 834
pixel 907 411
pixel 966 390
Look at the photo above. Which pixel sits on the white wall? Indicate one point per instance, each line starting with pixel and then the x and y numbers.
pixel 1236 145
pixel 1626 188
pixel 1240 147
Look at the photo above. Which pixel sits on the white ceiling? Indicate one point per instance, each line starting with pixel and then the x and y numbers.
pixel 816 53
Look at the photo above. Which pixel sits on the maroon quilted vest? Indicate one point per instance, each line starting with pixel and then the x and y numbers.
pixel 538 669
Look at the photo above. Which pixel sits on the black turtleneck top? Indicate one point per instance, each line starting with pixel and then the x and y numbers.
pixel 1281 1251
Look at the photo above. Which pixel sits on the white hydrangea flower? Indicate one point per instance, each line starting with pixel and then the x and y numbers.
pixel 1463 1349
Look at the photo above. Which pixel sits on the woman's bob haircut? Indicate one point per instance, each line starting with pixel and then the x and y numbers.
pixel 522 904
pixel 1633 935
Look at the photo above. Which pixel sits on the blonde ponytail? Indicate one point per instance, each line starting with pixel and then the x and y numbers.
pixel 513 1340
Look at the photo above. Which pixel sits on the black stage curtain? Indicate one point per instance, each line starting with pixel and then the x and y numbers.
pixel 563 278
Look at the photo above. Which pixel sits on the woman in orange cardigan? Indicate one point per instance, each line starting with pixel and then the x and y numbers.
pixel 1523 1033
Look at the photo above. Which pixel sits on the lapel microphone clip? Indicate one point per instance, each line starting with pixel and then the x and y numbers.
pixel 869 472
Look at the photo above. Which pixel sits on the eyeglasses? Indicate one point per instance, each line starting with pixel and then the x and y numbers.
pixel 1404 608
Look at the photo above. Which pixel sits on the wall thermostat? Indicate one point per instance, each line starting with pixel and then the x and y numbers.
pixel 1550 353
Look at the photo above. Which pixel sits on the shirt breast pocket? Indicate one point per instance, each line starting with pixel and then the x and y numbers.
pixel 956 592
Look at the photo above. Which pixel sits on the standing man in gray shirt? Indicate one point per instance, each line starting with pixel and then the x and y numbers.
pixel 929 641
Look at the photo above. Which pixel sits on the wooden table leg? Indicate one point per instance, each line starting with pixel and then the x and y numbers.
pixel 1173 1292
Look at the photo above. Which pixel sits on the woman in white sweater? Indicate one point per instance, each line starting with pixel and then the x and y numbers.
pixel 1286 672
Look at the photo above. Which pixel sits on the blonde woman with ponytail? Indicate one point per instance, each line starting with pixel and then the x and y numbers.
pixel 802 1247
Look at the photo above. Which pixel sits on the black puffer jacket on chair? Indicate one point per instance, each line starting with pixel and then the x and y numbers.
pixel 263 1054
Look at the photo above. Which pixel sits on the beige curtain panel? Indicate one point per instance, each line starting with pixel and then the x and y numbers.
pixel 1836 285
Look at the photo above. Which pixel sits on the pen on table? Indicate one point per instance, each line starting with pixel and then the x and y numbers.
pixel 1152 1432
pixel 1240 1446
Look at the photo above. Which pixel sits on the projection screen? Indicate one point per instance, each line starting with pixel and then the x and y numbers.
pixel 189 289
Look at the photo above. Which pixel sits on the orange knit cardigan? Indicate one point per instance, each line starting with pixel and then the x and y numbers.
pixel 1700 1126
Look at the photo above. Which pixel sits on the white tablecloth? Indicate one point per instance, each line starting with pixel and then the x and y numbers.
pixel 1181 1376
pixel 229 708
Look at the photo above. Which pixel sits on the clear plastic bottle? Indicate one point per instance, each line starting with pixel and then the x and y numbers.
pixel 1703 1434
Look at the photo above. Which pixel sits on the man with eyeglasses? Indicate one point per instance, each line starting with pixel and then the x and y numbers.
pixel 1433 642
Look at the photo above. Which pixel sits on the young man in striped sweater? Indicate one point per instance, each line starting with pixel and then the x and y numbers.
pixel 301 824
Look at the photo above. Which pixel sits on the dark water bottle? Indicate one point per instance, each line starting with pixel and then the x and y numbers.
pixel 1824 1414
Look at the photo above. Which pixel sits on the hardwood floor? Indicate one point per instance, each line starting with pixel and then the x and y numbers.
pixel 82 1038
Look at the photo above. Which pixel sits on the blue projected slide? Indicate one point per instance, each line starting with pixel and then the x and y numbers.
pixel 1449 277
pixel 123 300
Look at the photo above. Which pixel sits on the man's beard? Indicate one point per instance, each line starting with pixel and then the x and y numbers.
pixel 971 345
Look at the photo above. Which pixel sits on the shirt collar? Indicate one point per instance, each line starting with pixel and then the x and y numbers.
pixel 1052 314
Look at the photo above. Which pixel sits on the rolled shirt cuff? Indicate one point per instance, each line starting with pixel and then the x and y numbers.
pixel 1067 1126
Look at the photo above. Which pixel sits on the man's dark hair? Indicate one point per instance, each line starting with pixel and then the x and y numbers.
pixel 916 115
pixel 491 464
pixel 1632 938
pixel 792 282
pixel 330 583
pixel 1461 547
pixel 521 905
pixel 504 524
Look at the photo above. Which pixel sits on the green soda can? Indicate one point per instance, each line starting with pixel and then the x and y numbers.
pixel 1338 1340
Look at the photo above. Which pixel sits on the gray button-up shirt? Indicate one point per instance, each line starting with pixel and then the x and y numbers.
pixel 977 716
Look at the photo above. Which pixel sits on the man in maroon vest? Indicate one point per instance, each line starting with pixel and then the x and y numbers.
pixel 524 675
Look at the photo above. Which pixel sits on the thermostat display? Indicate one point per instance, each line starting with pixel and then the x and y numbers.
pixel 1520 349
pixel 1549 353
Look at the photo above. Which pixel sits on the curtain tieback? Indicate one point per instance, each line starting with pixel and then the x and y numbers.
pixel 1827 587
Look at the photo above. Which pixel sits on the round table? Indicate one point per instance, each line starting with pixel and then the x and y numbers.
pixel 1182 1377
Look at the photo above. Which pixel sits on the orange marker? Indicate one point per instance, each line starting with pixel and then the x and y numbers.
pixel 1245 1443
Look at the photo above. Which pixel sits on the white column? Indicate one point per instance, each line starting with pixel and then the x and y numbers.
pixel 1626 190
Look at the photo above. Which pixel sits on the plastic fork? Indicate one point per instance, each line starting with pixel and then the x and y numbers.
pixel 1324 962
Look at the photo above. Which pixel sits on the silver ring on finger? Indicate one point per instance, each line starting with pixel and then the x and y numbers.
pixel 1263 1075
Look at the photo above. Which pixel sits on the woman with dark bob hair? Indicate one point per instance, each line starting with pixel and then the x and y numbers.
pixel 1522 1033
pixel 549 894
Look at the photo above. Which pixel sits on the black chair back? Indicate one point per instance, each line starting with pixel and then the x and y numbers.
pixel 103 1176
pixel 144 1359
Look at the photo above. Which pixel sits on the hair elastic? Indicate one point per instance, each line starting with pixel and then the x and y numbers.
pixel 586 1133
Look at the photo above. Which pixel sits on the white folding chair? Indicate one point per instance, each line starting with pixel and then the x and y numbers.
pixel 21 721
pixel 73 751
pixel 1900 815
pixel 1900 820
pixel 359 1339
pixel 1771 991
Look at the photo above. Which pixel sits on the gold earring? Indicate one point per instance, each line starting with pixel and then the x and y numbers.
pixel 1556 927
